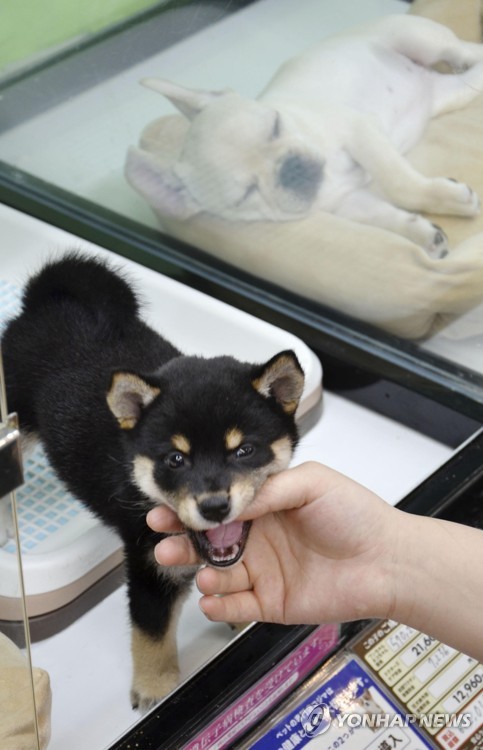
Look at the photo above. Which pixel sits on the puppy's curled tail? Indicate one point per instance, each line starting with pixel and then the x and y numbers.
pixel 87 280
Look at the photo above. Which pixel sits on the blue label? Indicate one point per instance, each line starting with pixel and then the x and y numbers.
pixel 313 717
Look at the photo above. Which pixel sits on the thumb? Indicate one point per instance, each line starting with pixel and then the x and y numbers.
pixel 293 488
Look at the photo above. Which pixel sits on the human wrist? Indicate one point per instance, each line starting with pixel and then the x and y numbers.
pixel 414 573
pixel 388 598
pixel 379 595
pixel 441 558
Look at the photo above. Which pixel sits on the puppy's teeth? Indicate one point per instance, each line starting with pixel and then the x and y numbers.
pixel 225 555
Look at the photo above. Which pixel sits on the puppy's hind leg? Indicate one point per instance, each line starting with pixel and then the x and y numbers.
pixel 427 42
pixel 367 208
pixel 456 91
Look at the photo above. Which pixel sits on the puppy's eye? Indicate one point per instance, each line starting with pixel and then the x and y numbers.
pixel 244 451
pixel 174 460
pixel 277 128
pixel 248 192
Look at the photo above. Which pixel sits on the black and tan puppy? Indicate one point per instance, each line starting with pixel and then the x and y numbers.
pixel 128 422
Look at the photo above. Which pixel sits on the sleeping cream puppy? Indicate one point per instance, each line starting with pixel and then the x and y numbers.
pixel 328 133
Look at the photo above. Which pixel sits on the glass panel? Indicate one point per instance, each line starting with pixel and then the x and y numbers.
pixel 74 143
pixel 24 692
pixel 76 117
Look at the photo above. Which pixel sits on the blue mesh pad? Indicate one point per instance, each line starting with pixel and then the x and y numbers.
pixel 43 504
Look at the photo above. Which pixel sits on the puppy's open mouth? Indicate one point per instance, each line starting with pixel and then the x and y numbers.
pixel 223 545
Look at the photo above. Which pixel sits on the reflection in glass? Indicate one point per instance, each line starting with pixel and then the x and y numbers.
pixel 84 104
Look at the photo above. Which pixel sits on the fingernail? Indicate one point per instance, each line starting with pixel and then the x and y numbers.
pixel 197 574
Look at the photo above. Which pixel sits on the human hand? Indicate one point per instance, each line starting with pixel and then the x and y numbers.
pixel 319 550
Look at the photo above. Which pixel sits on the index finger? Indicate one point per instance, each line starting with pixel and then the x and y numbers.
pixel 162 518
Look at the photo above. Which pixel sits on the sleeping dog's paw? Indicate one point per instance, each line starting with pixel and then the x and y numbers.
pixel 145 696
pixel 438 243
pixel 469 202
pixel 428 236
pixel 448 196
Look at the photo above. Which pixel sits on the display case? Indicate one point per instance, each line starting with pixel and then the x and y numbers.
pixel 70 119
pixel 399 335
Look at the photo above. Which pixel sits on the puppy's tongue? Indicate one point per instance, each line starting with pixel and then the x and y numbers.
pixel 225 535
pixel 223 545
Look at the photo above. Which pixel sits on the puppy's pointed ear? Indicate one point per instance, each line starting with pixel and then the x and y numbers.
pixel 157 183
pixel 188 101
pixel 281 378
pixel 128 396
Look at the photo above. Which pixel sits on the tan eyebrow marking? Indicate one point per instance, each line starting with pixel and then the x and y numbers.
pixel 233 438
pixel 126 423
pixel 181 443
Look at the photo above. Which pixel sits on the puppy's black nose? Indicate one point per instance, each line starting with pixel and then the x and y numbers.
pixel 300 175
pixel 215 508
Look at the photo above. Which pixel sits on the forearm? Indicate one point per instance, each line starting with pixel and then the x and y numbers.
pixel 438 581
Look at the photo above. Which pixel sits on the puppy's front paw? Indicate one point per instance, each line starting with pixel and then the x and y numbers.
pixel 145 696
pixel 454 197
pixel 467 198
pixel 238 627
pixel 155 666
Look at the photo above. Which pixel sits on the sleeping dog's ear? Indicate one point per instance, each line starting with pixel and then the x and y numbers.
pixel 159 185
pixel 188 101
pixel 127 396
pixel 281 378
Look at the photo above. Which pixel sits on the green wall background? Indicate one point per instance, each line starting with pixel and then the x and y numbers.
pixel 30 27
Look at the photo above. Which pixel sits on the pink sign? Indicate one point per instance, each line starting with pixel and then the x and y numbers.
pixel 267 692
